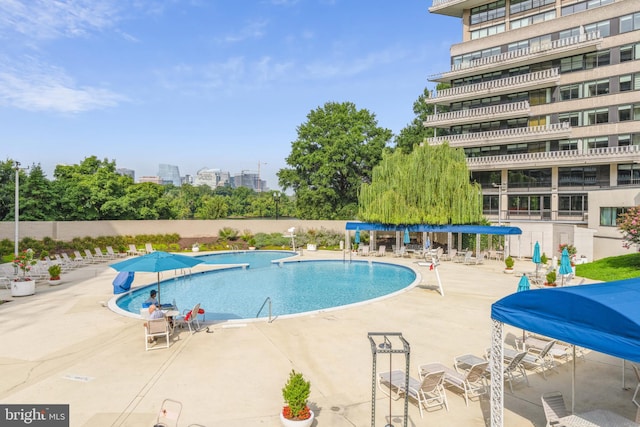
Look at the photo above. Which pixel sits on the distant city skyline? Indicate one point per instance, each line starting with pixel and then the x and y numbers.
pixel 204 84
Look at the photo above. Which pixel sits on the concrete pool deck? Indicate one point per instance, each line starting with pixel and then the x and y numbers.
pixel 63 345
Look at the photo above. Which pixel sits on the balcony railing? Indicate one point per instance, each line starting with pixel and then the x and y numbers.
pixel 508 85
pixel 508 59
pixel 496 112
pixel 627 153
pixel 531 133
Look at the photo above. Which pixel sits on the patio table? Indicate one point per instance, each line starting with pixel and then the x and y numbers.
pixel 597 418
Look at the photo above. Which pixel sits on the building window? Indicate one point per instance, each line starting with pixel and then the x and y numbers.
pixel 572 204
pixel 596 88
pixel 533 19
pixel 572 63
pixel 628 174
pixel 572 118
pixel 597 116
pixel 517 6
pixel 579 7
pixel 630 23
pixel 487 12
pixel 568 144
pixel 486 32
pixel 609 216
pixel 570 92
pixel 583 176
pixel 597 59
pixel 629 52
pixel 630 82
pixel 529 178
pixel 597 142
pixel 604 27
pixel 628 139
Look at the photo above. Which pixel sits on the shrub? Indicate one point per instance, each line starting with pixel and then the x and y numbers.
pixel 509 262
pixel 295 393
pixel 551 277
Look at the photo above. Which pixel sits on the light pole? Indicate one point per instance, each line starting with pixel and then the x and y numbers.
pixel 16 213
pixel 276 200
pixel 499 187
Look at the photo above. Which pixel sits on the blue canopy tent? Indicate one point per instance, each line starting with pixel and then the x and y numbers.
pixel 602 317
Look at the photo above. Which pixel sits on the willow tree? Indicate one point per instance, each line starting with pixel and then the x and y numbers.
pixel 428 186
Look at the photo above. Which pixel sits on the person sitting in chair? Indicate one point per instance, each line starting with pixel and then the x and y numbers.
pixel 154 313
pixel 152 300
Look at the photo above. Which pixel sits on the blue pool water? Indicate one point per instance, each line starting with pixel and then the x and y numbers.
pixel 294 287
pixel 255 259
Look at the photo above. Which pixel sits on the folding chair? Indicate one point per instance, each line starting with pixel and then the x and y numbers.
pixel 169 413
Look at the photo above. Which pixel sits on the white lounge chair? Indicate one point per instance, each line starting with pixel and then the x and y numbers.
pixel 114 254
pixel 88 256
pixel 133 250
pixel 554 408
pixel 363 250
pixel 148 248
pixel 382 250
pixel 72 263
pixel 100 255
pixel 428 392
pixel 77 257
pixel 472 383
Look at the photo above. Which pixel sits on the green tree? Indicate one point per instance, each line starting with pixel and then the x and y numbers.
pixel 428 186
pixel 335 152
pixel 212 207
pixel 37 201
pixel 415 133
pixel 7 189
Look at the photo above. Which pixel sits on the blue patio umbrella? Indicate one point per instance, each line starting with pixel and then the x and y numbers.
pixel 427 243
pixel 407 239
pixel 155 262
pixel 565 264
pixel 523 284
pixel 357 238
pixel 536 257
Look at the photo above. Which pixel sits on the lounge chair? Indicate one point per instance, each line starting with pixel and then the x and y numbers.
pixel 428 392
pixel 72 263
pixel 451 254
pixel 382 250
pixel 471 383
pixel 89 257
pixel 77 257
pixel 148 248
pixel 514 369
pixel 100 255
pixel 534 360
pixel 558 350
pixel 133 250
pixel 113 254
pixel 363 250
pixel 154 328
pixel 554 408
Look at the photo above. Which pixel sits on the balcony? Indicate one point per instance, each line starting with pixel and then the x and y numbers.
pixel 493 112
pixel 582 43
pixel 503 136
pixel 453 7
pixel 592 156
pixel 531 81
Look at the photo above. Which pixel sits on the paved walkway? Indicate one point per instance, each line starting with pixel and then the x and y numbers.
pixel 63 345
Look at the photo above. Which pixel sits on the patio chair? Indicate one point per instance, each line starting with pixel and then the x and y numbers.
pixel 89 257
pixel 113 254
pixel 382 249
pixel 72 263
pixel 363 250
pixel 169 413
pixel 148 247
pixel 636 370
pixel 133 250
pixel 451 254
pixel 427 392
pixel 190 318
pixel 554 408
pixel 514 369
pixel 101 256
pixel 77 257
pixel 471 383
pixel 154 328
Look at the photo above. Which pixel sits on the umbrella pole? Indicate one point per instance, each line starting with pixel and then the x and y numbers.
pixel 159 288
pixel 573 382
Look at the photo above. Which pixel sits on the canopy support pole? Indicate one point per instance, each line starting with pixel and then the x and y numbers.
pixel 497 371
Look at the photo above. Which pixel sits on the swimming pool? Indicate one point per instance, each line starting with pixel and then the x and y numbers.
pixel 294 287
pixel 255 259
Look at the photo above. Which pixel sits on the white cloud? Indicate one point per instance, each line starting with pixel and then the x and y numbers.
pixel 32 86
pixel 253 30
pixel 344 68
pixel 48 19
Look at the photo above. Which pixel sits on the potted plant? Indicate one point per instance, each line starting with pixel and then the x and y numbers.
pixel 23 285
pixel 508 263
pixel 295 392
pixel 252 244
pixel 551 278
pixel 54 274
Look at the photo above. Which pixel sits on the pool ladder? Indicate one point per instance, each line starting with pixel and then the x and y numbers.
pixel 268 300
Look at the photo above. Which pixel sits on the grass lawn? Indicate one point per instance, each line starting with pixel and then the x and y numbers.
pixel 612 268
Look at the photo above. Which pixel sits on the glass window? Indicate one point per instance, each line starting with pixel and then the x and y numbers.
pixel 572 32
pixel 625 83
pixel 604 27
pixel 572 118
pixel 571 92
pixel 593 117
pixel 626 24
pixel 599 87
pixel 628 174
pixel 624 113
pixel 609 216
pixel 626 53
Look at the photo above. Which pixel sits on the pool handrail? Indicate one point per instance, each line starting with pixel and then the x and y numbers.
pixel 268 299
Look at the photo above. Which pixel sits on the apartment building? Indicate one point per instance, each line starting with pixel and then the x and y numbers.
pixel 544 97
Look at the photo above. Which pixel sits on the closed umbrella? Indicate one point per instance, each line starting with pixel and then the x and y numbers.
pixel 536 258
pixel 427 243
pixel 407 239
pixel 565 265
pixel 523 285
pixel 155 262
pixel 357 238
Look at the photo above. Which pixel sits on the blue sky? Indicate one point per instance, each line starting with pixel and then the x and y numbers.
pixel 204 83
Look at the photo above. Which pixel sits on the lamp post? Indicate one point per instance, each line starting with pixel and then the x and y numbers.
pixel 16 214
pixel 276 200
pixel 500 188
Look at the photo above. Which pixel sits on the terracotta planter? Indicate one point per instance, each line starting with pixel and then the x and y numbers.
pixel 297 423
pixel 23 288
pixel 551 285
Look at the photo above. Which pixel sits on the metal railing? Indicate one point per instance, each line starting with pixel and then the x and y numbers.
pixel 267 300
